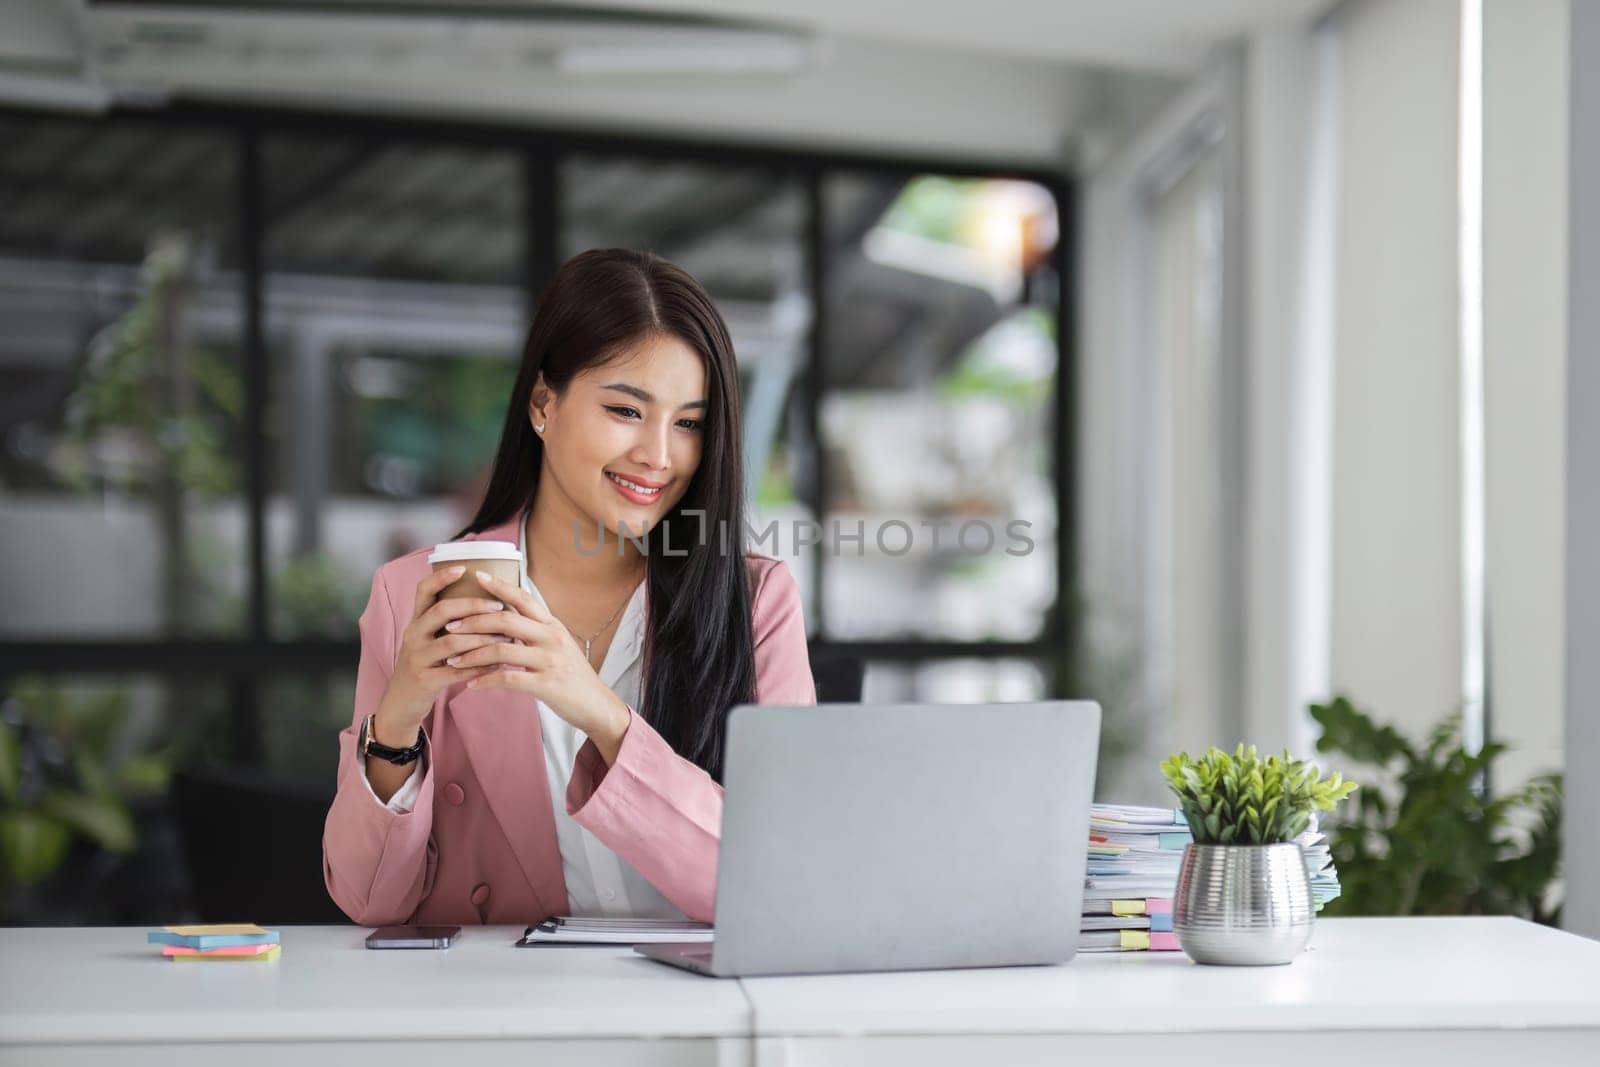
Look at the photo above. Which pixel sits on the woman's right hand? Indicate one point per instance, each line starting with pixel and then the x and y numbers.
pixel 420 673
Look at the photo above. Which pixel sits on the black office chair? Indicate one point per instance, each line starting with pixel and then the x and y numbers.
pixel 838 678
pixel 254 847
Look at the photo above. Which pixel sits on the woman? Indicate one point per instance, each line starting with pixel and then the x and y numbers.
pixel 565 739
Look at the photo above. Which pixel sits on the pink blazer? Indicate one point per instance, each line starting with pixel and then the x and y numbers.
pixel 480 844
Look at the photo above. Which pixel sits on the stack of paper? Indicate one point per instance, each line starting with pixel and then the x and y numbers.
pixel 1319 865
pixel 1132 876
pixel 239 941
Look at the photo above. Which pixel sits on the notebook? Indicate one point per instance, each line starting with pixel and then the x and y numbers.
pixel 573 930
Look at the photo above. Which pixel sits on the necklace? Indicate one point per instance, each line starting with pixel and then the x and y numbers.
pixel 588 642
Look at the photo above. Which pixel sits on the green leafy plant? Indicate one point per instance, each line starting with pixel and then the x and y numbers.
pixel 1242 799
pixel 312 598
pixel 152 413
pixel 1440 842
pixel 62 777
pixel 935 208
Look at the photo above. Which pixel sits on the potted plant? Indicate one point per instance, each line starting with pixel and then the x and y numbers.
pixel 1439 840
pixel 70 789
pixel 1243 896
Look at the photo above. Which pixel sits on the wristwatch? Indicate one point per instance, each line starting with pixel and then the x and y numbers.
pixel 368 746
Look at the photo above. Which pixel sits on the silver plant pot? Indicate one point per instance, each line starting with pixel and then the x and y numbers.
pixel 1243 904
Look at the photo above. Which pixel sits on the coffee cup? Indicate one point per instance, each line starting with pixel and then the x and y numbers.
pixel 499 559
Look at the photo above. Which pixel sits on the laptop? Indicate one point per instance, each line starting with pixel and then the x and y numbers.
pixel 901 837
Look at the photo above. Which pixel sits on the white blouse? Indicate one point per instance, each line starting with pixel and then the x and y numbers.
pixel 599 882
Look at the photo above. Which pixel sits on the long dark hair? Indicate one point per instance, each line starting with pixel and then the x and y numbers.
pixel 699 658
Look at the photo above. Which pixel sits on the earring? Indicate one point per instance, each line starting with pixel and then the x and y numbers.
pixel 539 428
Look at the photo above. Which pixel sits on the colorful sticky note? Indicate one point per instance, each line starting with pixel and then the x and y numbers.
pixel 202 930
pixel 272 953
pixel 226 950
pixel 215 936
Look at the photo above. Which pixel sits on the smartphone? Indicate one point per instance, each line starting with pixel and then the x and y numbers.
pixel 412 936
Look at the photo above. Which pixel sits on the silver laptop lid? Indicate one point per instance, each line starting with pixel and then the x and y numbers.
pixel 859 838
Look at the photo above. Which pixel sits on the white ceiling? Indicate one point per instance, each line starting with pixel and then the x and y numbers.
pixel 1013 80
pixel 1148 35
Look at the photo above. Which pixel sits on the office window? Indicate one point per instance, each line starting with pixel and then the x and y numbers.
pixel 299 734
pixel 938 366
pixel 393 266
pixel 120 420
pixel 394 313
pixel 956 681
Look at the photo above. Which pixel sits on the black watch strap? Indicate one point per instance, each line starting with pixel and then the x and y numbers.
pixel 372 747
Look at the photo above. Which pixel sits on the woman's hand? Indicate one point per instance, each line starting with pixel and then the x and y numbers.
pixel 548 664
pixel 420 671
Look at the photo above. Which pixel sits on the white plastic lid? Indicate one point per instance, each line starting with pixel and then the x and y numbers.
pixel 451 551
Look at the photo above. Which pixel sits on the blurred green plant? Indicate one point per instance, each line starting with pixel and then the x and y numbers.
pixel 987 369
pixel 1242 799
pixel 776 488
pixel 1439 843
pixel 437 414
pixel 311 598
pixel 63 778
pixel 934 207
pixel 168 400
pixel 150 413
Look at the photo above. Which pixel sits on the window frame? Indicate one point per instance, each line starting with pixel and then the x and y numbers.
pixel 254 655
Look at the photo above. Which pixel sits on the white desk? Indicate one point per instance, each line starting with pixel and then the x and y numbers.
pixel 92 996
pixel 1447 992
pixel 1371 992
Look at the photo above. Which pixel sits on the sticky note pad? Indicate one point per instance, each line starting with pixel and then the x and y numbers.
pixel 217 936
pixel 203 930
pixel 226 950
pixel 272 953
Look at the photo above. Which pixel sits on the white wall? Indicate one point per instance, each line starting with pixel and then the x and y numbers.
pixel 1397 614
pixel 1354 573
pixel 1292 116
pixel 1126 443
pixel 1189 645
pixel 1396 593
pixel 1525 156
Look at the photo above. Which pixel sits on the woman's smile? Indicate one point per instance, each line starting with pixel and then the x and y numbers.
pixel 637 490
